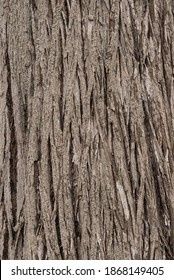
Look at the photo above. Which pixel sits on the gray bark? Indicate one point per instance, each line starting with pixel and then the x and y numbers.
pixel 87 129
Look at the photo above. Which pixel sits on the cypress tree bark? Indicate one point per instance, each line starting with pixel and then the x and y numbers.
pixel 87 129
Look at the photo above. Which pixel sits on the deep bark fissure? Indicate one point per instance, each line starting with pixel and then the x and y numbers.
pixel 36 186
pixel 80 97
pixel 34 6
pixel 6 240
pixel 13 143
pixel 52 195
pixel 61 80
pixel 57 223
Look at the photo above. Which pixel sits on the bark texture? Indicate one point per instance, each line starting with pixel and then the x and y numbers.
pixel 87 129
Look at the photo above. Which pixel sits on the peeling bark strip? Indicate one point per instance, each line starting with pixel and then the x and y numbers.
pixel 87 129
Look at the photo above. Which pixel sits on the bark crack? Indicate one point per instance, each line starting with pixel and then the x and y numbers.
pixel 13 143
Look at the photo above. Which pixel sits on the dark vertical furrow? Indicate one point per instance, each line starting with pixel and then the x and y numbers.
pixel 61 81
pixel 13 143
pixel 36 186
pixel 52 196
pixel 5 253
pixel 34 6
pixel 57 222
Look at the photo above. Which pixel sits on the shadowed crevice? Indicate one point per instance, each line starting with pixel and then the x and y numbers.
pixel 52 197
pixel 13 142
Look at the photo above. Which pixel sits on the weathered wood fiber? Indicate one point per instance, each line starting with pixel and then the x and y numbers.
pixel 86 129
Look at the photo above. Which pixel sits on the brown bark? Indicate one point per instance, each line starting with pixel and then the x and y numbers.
pixel 87 129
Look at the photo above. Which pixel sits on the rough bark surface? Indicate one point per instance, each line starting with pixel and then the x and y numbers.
pixel 87 129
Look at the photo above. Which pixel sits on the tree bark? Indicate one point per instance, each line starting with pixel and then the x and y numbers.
pixel 87 129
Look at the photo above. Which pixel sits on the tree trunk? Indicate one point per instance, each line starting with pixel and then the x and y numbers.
pixel 87 129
